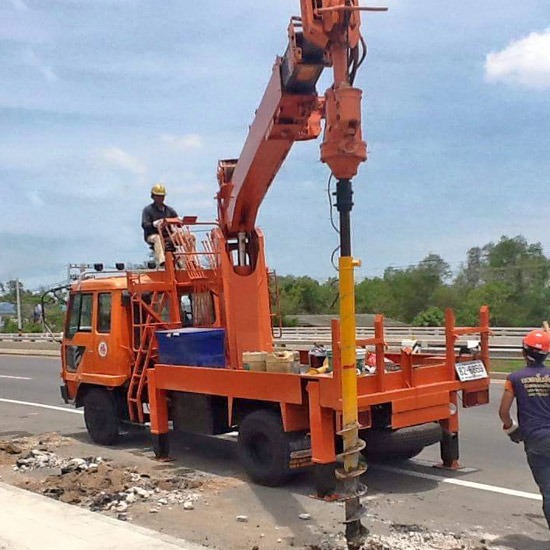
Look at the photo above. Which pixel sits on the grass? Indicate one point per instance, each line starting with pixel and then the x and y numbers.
pixel 506 365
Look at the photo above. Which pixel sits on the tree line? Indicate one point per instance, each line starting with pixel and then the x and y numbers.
pixel 512 276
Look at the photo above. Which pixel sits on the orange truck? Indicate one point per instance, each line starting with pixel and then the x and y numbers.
pixel 166 346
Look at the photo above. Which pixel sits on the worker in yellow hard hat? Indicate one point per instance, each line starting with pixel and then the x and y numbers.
pixel 152 216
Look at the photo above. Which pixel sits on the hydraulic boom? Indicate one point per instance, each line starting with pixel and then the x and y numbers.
pixel 326 34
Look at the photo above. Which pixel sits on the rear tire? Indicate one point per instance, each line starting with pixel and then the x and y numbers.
pixel 402 444
pixel 100 416
pixel 394 456
pixel 264 448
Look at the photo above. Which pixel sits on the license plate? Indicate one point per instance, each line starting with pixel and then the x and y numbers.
pixel 471 370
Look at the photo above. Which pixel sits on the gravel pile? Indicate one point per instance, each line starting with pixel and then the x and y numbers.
pixel 419 541
pixel 96 484
pixel 148 491
pixel 410 537
pixel 37 459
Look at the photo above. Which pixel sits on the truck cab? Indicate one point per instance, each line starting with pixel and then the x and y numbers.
pixel 96 346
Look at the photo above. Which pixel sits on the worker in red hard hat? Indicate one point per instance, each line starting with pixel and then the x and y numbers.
pixel 530 387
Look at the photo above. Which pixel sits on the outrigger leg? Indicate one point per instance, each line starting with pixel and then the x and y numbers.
pixel 158 411
pixel 449 440
pixel 449 450
pixel 323 450
pixel 161 446
pixel 325 480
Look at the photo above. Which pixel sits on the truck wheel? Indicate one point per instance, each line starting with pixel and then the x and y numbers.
pixel 264 448
pixel 100 416
pixel 395 456
pixel 401 444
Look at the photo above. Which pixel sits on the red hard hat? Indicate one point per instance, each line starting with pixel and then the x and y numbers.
pixel 538 340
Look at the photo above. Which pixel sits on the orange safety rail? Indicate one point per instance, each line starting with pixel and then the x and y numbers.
pixel 475 392
pixel 421 386
pixel 453 333
pixel 421 389
pixel 177 237
pixel 212 257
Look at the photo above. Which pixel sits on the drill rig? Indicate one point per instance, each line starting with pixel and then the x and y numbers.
pixel 286 420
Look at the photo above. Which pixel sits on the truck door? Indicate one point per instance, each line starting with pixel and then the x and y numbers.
pixel 78 341
pixel 106 354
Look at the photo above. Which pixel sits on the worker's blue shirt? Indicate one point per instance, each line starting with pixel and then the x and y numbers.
pixel 531 387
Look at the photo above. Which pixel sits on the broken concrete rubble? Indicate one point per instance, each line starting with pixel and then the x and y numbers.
pixel 95 484
pixel 131 489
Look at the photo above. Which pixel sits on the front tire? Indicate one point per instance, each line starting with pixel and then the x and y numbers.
pixel 100 416
pixel 264 448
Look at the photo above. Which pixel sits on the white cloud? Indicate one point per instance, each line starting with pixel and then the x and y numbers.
pixel 19 5
pixel 35 199
pixel 184 143
pixel 525 62
pixel 117 158
pixel 47 72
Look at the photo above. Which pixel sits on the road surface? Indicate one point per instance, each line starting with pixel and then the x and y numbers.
pixel 495 494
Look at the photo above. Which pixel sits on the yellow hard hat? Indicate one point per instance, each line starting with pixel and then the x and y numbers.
pixel 158 189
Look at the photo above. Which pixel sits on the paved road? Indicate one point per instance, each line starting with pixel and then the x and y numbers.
pixel 34 380
pixel 483 499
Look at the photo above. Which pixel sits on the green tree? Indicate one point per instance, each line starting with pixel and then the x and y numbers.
pixel 431 317
pixel 497 295
pixel 301 295
pixel 512 276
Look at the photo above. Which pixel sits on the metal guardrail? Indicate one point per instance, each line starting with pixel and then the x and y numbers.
pixel 405 332
pixel 312 334
pixel 505 342
pixel 29 337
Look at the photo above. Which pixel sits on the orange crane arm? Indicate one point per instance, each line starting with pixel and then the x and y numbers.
pixel 326 34
pixel 290 111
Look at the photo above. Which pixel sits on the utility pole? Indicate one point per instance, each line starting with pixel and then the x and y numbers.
pixel 18 299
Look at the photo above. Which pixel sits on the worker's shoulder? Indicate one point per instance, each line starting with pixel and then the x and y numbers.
pixel 518 374
pixel 529 371
pixel 170 212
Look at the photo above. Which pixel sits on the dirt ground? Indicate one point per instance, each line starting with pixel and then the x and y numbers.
pixel 219 511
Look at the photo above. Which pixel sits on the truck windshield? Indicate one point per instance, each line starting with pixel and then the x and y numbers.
pixel 80 314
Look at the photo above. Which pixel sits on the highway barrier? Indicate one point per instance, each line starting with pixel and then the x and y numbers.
pixel 505 342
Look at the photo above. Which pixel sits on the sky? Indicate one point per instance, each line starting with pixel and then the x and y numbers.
pixel 99 100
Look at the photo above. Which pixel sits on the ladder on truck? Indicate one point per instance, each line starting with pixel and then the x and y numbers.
pixel 147 318
pixel 155 306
